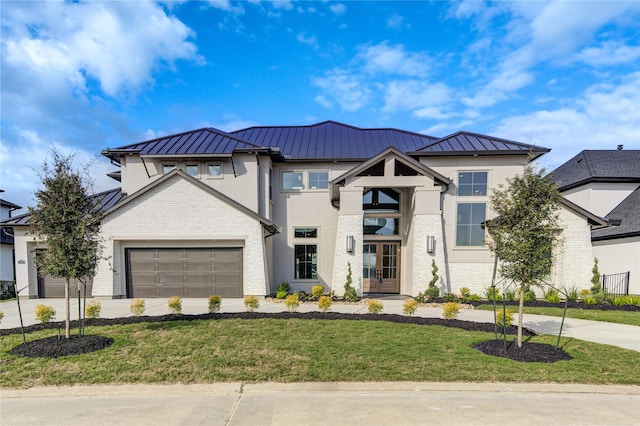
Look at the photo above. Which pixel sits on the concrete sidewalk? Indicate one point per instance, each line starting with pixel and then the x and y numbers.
pixel 621 335
pixel 372 403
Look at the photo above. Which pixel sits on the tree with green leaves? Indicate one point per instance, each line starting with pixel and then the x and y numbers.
pixel 66 218
pixel 524 233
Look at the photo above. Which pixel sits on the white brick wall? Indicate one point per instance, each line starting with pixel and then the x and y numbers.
pixel 422 226
pixel 574 254
pixel 348 224
pixel 180 214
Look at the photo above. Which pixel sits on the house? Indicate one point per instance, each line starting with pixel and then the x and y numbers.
pixel 235 213
pixel 6 242
pixel 607 183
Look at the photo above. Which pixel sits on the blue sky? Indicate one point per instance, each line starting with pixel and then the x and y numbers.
pixel 85 76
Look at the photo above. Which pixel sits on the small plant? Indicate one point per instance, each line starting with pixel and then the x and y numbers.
pixel 1 316
pixel 529 294
pixel 590 300
pixel 433 292
pixel 509 295
pixel 492 294
pixel 324 303
pixel 584 292
pixel 474 298
pixel 450 297
pixel 93 309
pixel 45 313
pixel 422 297
pixel 410 306
pixel 283 290
pixel 551 296
pixel 502 316
pixel 137 307
pixel 572 294
pixel 292 302
pixel 317 291
pixel 596 286
pixel 375 306
pixel 450 310
pixel 251 303
pixel 214 303
pixel 350 293
pixel 465 293
pixel 175 305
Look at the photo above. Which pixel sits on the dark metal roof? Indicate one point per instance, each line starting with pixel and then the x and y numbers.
pixel 6 236
pixel 330 140
pixel 5 203
pixel 628 213
pixel 206 141
pixel 106 199
pixel 465 143
pixel 598 166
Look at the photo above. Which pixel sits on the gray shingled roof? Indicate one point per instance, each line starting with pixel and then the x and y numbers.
pixel 107 200
pixel 598 166
pixel 12 206
pixel 628 213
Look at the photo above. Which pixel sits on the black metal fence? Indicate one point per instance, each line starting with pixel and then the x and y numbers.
pixel 616 284
pixel 7 290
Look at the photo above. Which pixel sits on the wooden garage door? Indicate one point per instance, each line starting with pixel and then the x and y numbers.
pixel 185 272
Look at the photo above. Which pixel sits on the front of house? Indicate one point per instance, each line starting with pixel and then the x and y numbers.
pixel 209 212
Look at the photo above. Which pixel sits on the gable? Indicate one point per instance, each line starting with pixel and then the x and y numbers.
pixel 598 166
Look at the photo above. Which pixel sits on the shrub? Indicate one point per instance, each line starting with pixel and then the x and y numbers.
pixel 551 296
pixel 601 297
pixel 324 303
pixel 350 293
pixel 450 297
pixel 175 304
pixel 317 291
pixel 214 303
pixel 137 307
pixel 590 300
pixel 1 316
pixel 409 307
pixel 433 292
pixel 450 310
pixel 572 294
pixel 509 295
pixel 596 286
pixel 45 313
pixel 626 300
pixel 284 286
pixel 375 306
pixel 492 294
pixel 474 298
pixel 282 294
pixel 529 295
pixel 585 292
pixel 292 302
pixel 465 292
pixel 502 315
pixel 422 297
pixel 434 274
pixel 93 309
pixel 251 303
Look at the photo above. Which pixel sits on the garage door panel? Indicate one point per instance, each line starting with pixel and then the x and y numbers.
pixel 187 272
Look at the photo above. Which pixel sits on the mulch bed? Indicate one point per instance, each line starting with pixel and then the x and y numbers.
pixel 54 347
pixel 529 352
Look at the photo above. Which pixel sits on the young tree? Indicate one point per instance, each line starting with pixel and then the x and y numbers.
pixel 67 219
pixel 524 233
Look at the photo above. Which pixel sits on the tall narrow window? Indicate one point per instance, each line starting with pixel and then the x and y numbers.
pixel 305 255
pixel 469 231
pixel 472 184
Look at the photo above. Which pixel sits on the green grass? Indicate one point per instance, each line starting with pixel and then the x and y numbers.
pixel 297 350
pixel 620 317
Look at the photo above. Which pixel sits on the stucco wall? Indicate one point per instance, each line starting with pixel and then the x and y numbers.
pixel 600 197
pixel 620 255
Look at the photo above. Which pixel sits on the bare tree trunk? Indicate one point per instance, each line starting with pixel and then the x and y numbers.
pixel 520 314
pixel 67 311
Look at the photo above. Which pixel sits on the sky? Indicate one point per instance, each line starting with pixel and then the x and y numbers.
pixel 82 76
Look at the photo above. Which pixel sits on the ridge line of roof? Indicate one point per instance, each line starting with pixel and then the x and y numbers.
pixel 465 132
pixel 209 129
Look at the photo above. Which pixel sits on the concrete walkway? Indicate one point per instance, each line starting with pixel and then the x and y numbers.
pixel 621 335
pixel 389 404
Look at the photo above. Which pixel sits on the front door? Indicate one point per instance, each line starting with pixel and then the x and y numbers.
pixel 380 262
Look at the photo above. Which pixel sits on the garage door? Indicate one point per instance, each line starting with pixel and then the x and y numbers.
pixel 51 288
pixel 185 272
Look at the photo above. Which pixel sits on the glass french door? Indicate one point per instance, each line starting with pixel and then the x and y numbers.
pixel 380 264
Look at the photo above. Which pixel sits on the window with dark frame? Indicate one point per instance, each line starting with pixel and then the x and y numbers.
pixel 472 184
pixel 318 180
pixel 305 253
pixel 469 231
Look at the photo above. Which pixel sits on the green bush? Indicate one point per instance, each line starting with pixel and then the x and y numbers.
pixel 500 317
pixel 214 303
pixel 350 293
pixel 433 292
pixel 292 302
pixel 465 292
pixel 509 295
pixel 492 294
pixel 375 306
pixel 251 303
pixel 529 295
pixel 596 285
pixel 45 313
pixel 317 291
pixel 93 309
pixel 137 307
pixel 590 300
pixel 626 300
pixel 282 294
pixel 284 286
pixel 175 305
pixel 551 296
pixel 572 294
pixel 324 303
pixel 1 316
pixel 474 298
pixel 410 306
pixel 450 297
pixel 450 310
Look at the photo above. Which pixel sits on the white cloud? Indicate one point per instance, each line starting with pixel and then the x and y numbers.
pixel 346 89
pixel 609 53
pixel 603 117
pixel 309 40
pixel 226 6
pixel 383 58
pixel 415 95
pixel 395 21
pixel 338 8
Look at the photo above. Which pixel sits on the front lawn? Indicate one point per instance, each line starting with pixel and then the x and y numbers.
pixel 295 350
pixel 620 317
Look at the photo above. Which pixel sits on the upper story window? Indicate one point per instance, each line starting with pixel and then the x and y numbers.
pixel 166 168
pixel 292 181
pixel 214 170
pixel 381 200
pixel 472 184
pixel 318 180
pixel 192 170
pixel 305 232
pixel 469 221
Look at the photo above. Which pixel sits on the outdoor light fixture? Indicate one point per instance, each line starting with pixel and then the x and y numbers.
pixel 351 244
pixel 431 244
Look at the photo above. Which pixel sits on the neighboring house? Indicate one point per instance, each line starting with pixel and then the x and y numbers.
pixel 6 242
pixel 208 212
pixel 607 183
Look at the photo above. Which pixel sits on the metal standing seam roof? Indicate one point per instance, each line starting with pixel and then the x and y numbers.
pixel 9 204
pixel 106 200
pixel 598 166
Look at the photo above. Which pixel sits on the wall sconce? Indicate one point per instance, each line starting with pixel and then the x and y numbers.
pixel 431 244
pixel 351 244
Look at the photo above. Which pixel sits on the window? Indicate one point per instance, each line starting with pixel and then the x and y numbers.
pixel 318 180
pixel 166 168
pixel 214 170
pixel 472 183
pixel 270 184
pixel 469 231
pixel 381 200
pixel 192 170
pixel 381 225
pixel 292 180
pixel 305 255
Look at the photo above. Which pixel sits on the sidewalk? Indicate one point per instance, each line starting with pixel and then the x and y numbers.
pixel 621 335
